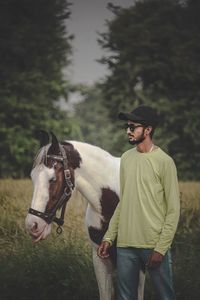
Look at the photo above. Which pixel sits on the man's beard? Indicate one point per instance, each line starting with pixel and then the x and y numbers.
pixel 138 140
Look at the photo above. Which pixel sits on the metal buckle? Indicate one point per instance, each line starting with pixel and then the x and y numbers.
pixel 67 193
pixel 67 173
pixel 59 230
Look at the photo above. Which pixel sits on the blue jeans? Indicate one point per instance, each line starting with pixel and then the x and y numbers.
pixel 129 263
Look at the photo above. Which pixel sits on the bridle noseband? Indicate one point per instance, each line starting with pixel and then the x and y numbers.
pixel 50 217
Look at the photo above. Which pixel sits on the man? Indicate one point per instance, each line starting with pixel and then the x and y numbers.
pixel 147 215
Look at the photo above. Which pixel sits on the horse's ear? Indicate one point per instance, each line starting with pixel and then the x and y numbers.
pixel 54 148
pixel 43 137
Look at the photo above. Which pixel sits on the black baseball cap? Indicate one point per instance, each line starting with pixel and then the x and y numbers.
pixel 143 114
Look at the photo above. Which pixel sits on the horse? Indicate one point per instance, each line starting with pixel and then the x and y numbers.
pixel 58 168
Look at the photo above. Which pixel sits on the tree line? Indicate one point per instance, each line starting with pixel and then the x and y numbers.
pixel 152 52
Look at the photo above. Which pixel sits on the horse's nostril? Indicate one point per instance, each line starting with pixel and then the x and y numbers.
pixel 34 226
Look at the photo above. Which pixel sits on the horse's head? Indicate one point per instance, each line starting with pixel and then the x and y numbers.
pixel 53 182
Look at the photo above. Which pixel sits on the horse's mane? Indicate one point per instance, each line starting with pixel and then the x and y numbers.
pixel 41 155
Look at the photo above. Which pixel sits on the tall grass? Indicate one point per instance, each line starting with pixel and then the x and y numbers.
pixel 61 268
pixel 186 247
pixel 58 268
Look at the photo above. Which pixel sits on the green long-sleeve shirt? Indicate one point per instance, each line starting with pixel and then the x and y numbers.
pixel 148 212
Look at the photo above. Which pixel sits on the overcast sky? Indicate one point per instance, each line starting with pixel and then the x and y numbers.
pixel 87 18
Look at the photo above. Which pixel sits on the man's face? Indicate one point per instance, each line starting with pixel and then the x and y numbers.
pixel 135 132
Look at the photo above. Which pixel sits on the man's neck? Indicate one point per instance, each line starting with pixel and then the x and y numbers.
pixel 145 146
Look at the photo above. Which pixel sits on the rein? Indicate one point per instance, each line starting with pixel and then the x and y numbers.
pixel 50 217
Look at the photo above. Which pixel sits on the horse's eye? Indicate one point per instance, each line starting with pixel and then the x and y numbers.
pixel 54 165
pixel 53 180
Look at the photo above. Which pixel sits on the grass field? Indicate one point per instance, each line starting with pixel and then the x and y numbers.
pixel 61 267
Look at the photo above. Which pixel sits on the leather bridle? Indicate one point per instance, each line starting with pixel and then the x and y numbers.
pixel 50 216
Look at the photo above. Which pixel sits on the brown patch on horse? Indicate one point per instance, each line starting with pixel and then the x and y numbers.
pixel 56 188
pixel 96 235
pixel 109 201
pixel 73 155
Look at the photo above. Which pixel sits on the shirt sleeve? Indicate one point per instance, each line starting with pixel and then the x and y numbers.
pixel 111 233
pixel 172 198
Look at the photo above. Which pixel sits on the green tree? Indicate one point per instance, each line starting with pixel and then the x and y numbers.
pixel 34 49
pixel 155 59
pixel 91 117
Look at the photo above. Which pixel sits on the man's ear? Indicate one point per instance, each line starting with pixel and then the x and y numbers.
pixel 149 129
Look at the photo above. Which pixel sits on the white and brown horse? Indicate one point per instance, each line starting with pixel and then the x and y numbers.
pixel 58 168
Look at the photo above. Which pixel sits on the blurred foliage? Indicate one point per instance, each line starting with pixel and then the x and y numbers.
pixel 92 118
pixel 152 53
pixel 34 49
pixel 153 58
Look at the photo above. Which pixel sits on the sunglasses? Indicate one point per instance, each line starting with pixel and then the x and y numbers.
pixel 132 127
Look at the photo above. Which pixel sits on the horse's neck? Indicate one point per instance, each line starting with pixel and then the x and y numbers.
pixel 98 170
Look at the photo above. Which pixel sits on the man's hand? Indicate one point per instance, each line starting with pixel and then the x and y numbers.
pixel 102 250
pixel 154 260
